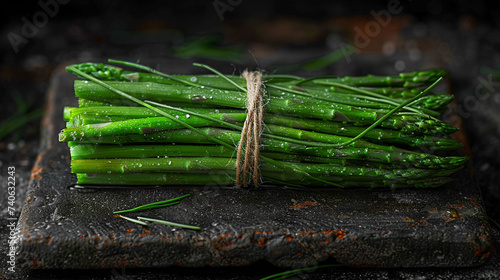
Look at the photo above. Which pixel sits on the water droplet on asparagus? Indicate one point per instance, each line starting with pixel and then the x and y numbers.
pixel 198 98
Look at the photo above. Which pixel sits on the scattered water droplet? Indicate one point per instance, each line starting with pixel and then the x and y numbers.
pixel 198 98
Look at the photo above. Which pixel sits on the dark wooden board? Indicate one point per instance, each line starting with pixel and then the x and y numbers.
pixel 64 227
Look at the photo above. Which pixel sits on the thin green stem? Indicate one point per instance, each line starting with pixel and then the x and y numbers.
pixel 221 75
pixel 163 222
pixel 133 220
pixel 151 70
pixel 164 203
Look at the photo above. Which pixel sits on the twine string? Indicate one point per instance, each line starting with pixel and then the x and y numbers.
pixel 247 161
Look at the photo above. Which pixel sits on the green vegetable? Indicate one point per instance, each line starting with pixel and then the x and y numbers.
pixel 150 128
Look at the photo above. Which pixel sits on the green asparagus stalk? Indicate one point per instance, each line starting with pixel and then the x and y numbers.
pixel 168 179
pixel 147 179
pixel 407 80
pixel 100 151
pixel 213 165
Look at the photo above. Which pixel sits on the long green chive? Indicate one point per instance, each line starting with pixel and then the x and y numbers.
pixel 142 208
pixel 164 203
pixel 163 222
pixel 151 70
pixel 221 75
pixel 133 220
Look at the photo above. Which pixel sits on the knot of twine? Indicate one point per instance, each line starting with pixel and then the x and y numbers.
pixel 247 161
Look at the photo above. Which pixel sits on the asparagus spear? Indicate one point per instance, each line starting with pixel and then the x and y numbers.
pixel 214 165
pixel 407 80
pixel 167 179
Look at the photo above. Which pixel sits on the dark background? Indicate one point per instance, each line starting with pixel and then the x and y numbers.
pixel 461 36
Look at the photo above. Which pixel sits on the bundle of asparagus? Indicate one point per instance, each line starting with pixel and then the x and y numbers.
pixel 145 127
